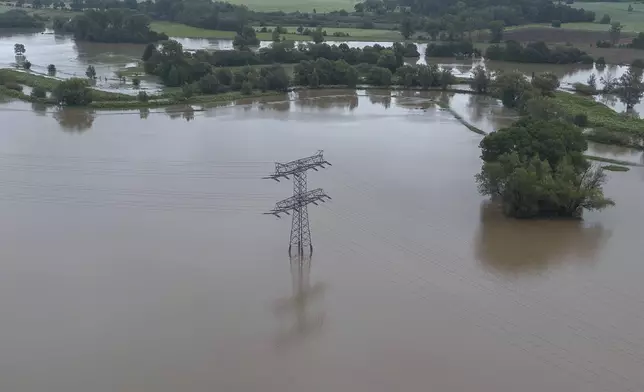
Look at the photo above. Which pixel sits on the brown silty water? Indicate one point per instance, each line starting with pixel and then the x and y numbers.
pixel 134 256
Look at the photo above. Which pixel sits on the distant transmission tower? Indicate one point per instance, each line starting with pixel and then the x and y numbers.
pixel 300 230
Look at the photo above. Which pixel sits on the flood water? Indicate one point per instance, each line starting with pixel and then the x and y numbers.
pixel 135 257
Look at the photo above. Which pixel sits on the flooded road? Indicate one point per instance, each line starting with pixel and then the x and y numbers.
pixel 135 257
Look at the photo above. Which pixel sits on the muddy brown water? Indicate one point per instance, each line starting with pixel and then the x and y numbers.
pixel 134 256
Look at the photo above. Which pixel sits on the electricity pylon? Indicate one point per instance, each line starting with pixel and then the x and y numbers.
pixel 302 197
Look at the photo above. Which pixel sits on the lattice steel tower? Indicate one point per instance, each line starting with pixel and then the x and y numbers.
pixel 302 197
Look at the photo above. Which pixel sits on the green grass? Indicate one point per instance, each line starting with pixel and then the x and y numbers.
pixel 600 115
pixel 615 168
pixel 610 160
pixel 633 21
pixel 181 30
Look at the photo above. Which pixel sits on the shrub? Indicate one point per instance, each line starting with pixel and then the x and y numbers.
pixel 246 88
pixel 556 23
pixel 142 96
pixel 580 120
pixel 136 82
pixel 38 93
pixel 51 69
pixel 26 65
pixel 73 92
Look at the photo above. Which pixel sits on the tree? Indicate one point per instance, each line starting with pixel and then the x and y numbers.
pixel 136 82
pixel 556 23
pixel 388 60
pixel 91 72
pixel 407 28
pixel 275 35
pixel 19 49
pixel 630 88
pixel 592 82
pixel 142 96
pixel 149 50
pixel 314 81
pixel 26 65
pixel 317 35
pixel 630 8
pixel 209 84
pixel 496 31
pixel 615 32
pixel 513 89
pixel 247 88
pixel 605 19
pixel 245 39
pixel 51 70
pixel 38 93
pixel 546 82
pixel 73 92
pixel 536 168
pixel 446 78
pixel 480 80
pixel 600 63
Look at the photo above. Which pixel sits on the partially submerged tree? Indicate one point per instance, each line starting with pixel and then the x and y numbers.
pixel 73 92
pixel 536 168
pixel 90 72
pixel 480 80
pixel 546 82
pixel 630 88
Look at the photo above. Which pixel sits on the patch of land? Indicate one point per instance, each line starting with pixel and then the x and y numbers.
pixel 297 5
pixel 181 30
pixel 111 100
pixel 632 21
pixel 549 34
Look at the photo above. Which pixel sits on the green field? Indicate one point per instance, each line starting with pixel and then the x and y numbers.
pixel 181 30
pixel 294 5
pixel 632 21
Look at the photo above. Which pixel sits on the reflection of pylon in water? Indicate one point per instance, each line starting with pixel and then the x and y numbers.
pixel 306 322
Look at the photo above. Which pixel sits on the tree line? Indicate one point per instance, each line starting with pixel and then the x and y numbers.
pixel 113 25
pixel 537 52
pixel 176 67
pixel 20 19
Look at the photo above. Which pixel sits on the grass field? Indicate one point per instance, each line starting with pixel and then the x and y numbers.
pixel 294 5
pixel 181 30
pixel 632 21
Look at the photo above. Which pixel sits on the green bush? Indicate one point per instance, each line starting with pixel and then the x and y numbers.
pixel 580 120
pixel 142 96
pixel 38 93
pixel 556 23
pixel 246 88
pixel 73 92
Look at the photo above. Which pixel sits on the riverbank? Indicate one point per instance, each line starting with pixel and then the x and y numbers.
pixel 110 100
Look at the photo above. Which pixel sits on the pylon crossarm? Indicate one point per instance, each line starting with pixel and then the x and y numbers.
pixel 293 202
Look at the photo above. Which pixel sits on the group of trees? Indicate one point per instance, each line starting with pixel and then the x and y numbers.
pixel 176 67
pixel 20 19
pixel 340 73
pixel 113 25
pixel 536 168
pixel 537 52
pixel 195 73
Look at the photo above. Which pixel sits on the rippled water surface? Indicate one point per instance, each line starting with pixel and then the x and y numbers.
pixel 134 256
